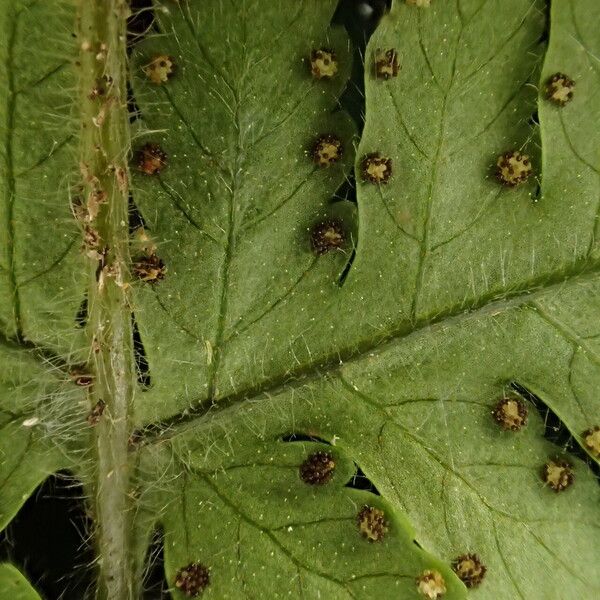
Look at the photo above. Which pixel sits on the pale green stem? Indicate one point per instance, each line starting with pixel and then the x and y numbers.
pixel 104 149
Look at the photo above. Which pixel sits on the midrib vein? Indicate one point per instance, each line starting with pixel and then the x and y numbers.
pixel 229 252
pixel 223 297
pixel 328 365
pixel 10 193
pixel 424 251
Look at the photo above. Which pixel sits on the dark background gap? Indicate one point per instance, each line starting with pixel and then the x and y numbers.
pixel 139 357
pixel 49 540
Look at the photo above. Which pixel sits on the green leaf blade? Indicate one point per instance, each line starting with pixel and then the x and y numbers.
pixel 267 532
pixel 454 109
pixel 40 266
pixel 242 203
pixel 571 160
pixel 13 586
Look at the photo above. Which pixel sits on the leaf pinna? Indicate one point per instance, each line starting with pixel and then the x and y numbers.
pixel 303 312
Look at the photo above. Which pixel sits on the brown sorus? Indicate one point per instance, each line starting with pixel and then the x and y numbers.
pixel 318 468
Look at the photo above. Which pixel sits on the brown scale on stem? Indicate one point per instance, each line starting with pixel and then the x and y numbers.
pixel 96 413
